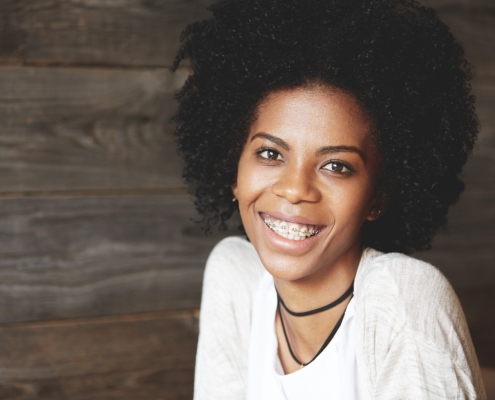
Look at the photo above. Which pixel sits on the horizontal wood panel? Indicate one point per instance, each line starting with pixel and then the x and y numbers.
pixel 86 129
pixel 475 29
pixel 130 357
pixel 441 4
pixel 90 32
pixel 136 33
pixel 73 129
pixel 74 257
pixel 465 253
pixel 480 168
pixel 149 356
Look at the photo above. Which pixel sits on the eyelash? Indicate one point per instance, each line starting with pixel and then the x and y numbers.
pixel 259 153
pixel 340 164
pixel 262 150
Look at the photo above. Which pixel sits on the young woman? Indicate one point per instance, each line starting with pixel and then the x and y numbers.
pixel 338 129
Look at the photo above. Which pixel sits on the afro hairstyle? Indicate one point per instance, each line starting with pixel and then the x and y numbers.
pixel 395 57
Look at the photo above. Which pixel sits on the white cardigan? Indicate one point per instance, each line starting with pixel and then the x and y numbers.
pixel 412 338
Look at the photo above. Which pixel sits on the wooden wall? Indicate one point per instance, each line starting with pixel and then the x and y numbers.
pixel 100 265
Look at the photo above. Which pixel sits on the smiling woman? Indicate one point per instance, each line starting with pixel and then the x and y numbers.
pixel 340 129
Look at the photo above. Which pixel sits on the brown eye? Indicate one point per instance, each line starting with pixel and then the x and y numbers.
pixel 271 155
pixel 337 167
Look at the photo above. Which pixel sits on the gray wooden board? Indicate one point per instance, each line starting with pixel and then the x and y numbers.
pixel 148 356
pixel 442 4
pixel 474 27
pixel 464 252
pixel 480 168
pixel 123 32
pixel 73 129
pixel 74 257
pixel 137 33
pixel 98 129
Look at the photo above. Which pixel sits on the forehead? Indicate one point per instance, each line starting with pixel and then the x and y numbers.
pixel 319 115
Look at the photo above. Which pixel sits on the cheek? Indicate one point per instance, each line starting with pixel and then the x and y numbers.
pixel 250 182
pixel 350 203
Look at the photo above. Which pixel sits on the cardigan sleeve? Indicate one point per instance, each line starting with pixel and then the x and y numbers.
pixel 231 276
pixel 413 334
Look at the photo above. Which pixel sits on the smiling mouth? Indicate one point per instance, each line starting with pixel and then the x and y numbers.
pixel 290 230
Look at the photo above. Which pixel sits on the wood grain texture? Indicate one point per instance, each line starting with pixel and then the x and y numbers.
pixel 479 172
pixel 148 356
pixel 73 129
pixel 474 28
pixel 138 33
pixel 86 129
pixel 488 375
pixel 131 33
pixel 465 253
pixel 441 4
pixel 75 257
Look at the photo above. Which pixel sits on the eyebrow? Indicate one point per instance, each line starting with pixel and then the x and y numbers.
pixel 273 139
pixel 320 152
pixel 339 149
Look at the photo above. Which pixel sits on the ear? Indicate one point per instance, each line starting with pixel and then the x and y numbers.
pixel 378 208
pixel 234 189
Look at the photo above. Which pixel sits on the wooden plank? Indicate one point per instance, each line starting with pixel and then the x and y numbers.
pixel 488 375
pixel 466 249
pixel 474 27
pixel 90 32
pixel 136 33
pixel 479 172
pixel 131 357
pixel 465 254
pixel 74 257
pixel 73 129
pixel 85 129
pixel 441 4
pixel 149 356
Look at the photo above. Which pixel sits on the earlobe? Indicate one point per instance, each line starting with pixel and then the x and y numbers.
pixel 234 191
pixel 374 214
pixel 378 209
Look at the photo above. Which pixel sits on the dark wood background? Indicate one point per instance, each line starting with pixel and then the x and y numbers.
pixel 100 265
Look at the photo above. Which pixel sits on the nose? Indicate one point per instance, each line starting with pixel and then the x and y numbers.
pixel 296 185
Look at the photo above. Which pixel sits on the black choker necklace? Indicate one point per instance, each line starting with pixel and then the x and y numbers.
pixel 318 310
pixel 303 314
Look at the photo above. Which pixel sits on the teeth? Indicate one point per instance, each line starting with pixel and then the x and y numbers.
pixel 290 230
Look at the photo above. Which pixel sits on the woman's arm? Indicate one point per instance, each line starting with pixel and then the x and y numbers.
pixel 232 274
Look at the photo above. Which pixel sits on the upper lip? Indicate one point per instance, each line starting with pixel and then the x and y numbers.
pixel 292 218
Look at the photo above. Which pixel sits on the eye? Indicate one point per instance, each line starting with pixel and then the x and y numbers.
pixel 337 167
pixel 269 154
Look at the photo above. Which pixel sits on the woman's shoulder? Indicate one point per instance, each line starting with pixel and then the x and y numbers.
pixel 412 290
pixel 412 283
pixel 410 321
pixel 234 262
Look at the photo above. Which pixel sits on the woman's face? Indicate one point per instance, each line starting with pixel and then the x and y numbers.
pixel 308 166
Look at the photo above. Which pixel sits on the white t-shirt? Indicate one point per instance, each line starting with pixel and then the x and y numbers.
pixel 332 375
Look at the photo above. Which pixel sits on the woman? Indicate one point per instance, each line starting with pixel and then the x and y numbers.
pixel 338 129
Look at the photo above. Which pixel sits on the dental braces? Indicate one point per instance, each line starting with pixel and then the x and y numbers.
pixel 310 233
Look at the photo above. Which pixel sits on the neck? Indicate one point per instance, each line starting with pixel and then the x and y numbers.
pixel 322 287
pixel 307 334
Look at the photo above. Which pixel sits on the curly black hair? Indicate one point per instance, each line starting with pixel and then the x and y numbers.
pixel 397 59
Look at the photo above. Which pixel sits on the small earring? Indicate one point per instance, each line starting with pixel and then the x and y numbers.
pixel 234 199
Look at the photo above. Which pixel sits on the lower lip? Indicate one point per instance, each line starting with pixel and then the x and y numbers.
pixel 288 245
